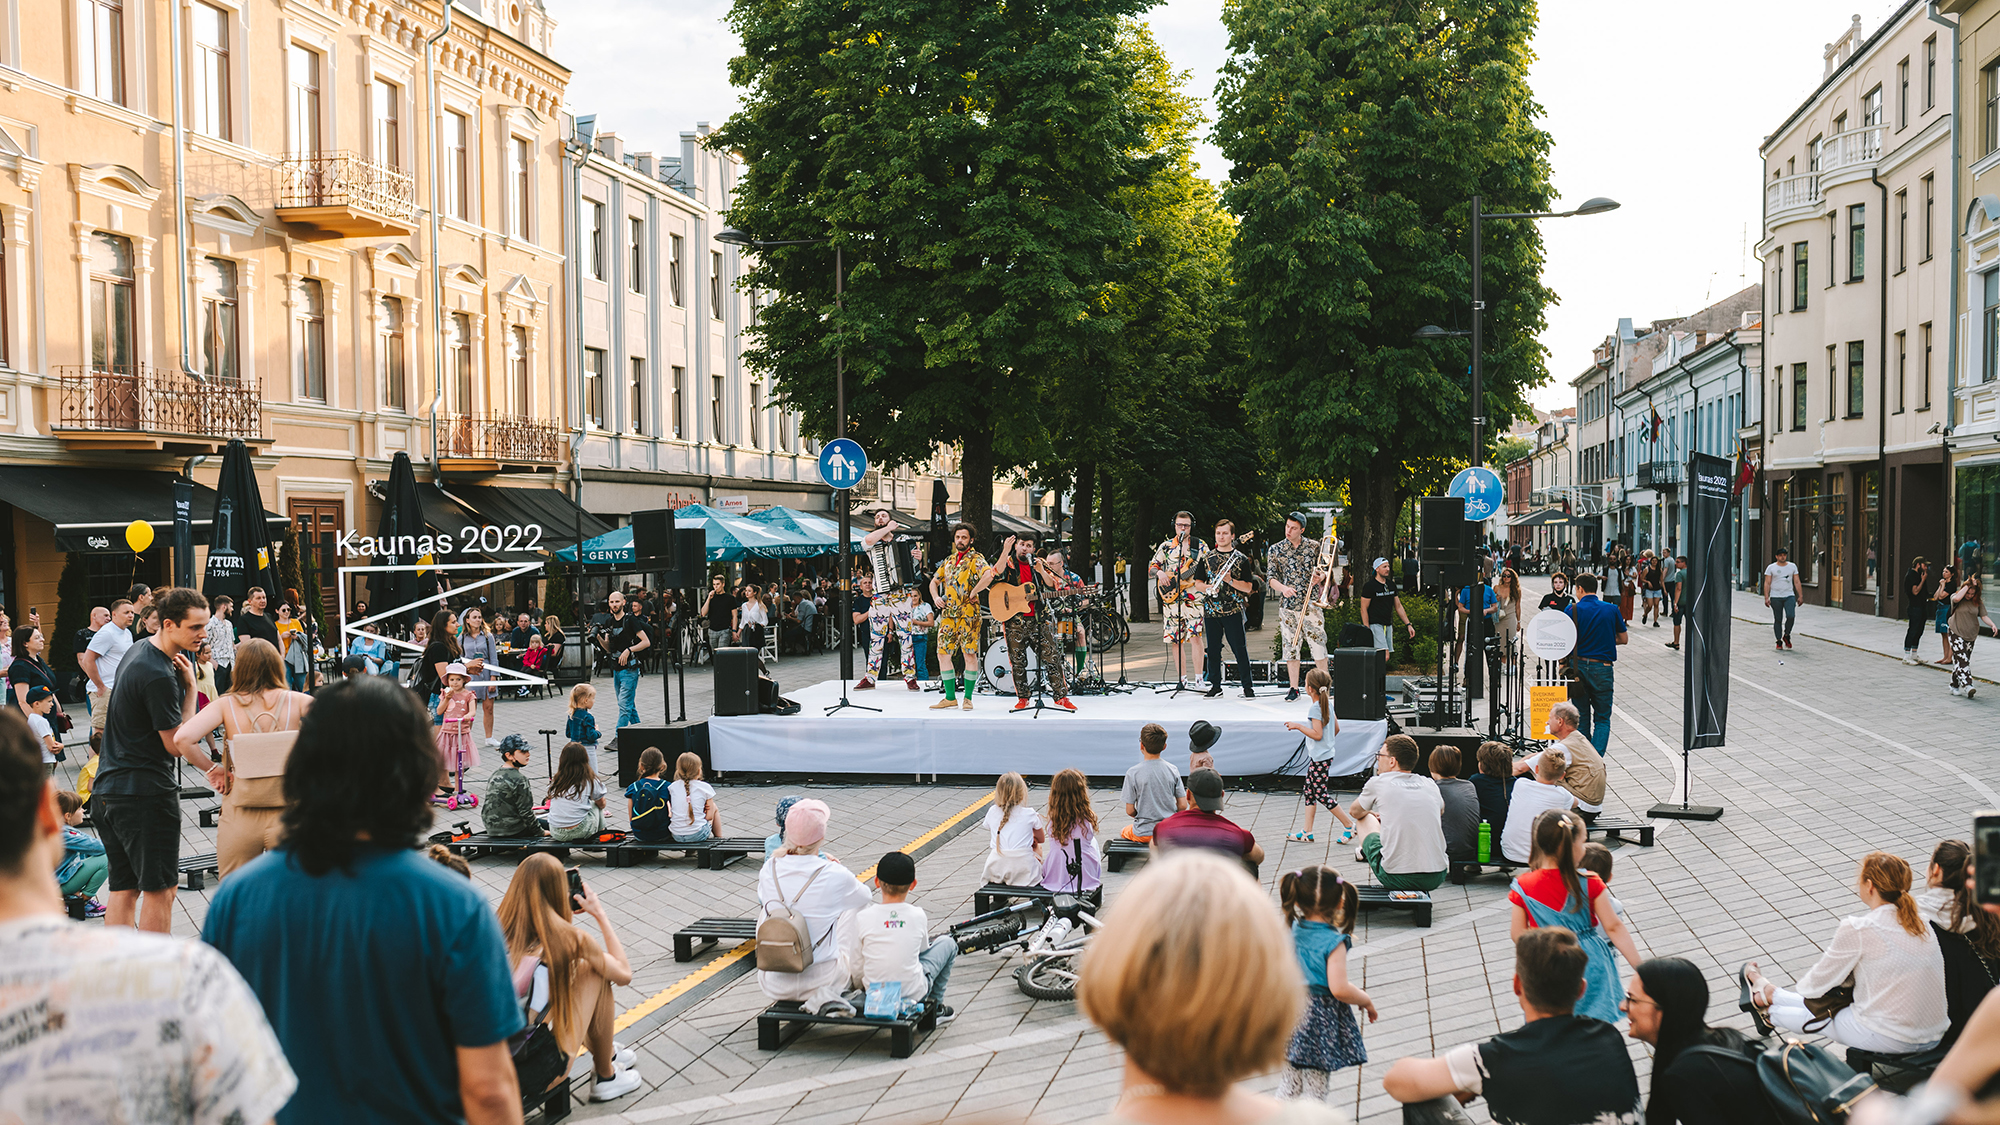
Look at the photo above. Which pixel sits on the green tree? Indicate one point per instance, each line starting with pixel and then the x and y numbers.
pixel 964 158
pixel 1509 449
pixel 1358 131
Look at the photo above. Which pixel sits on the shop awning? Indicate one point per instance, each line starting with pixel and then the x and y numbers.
pixel 1546 517
pixel 445 516
pixel 550 508
pixel 90 508
pixel 1006 523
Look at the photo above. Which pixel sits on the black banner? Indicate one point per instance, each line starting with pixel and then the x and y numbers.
pixel 183 532
pixel 1706 590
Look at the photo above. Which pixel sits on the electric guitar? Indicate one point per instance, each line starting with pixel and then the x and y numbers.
pixel 1174 580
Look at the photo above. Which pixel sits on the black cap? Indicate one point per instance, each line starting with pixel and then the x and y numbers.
pixel 1206 788
pixel 1203 734
pixel 896 869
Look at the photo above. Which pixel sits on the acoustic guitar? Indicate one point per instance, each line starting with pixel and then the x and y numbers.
pixel 1005 601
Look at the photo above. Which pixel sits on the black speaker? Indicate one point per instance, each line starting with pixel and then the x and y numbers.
pixel 670 741
pixel 653 536
pixel 1359 676
pixel 690 567
pixel 735 681
pixel 1442 536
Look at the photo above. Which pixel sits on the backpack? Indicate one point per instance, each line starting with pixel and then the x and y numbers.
pixel 1803 1082
pixel 784 937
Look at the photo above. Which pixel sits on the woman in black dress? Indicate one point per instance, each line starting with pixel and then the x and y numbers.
pixel 1558 597
pixel 30 668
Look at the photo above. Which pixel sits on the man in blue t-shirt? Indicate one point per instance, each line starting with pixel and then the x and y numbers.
pixel 1600 629
pixel 384 974
pixel 1491 602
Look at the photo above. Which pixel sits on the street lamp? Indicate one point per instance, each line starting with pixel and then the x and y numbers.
pixel 1596 205
pixel 734 237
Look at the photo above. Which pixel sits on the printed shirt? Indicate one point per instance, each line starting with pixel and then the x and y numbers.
pixel 1222 599
pixel 1171 556
pixel 1293 566
pixel 957 574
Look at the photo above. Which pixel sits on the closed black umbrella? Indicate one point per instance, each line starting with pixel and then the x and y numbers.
pixel 239 541
pixel 402 526
pixel 940 530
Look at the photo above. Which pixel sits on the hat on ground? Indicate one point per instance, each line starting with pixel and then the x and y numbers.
pixel 456 668
pixel 1206 788
pixel 897 870
pixel 1203 734
pixel 38 693
pixel 785 806
pixel 805 824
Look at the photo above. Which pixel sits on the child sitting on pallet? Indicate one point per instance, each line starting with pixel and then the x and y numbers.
pixel 508 810
pixel 886 950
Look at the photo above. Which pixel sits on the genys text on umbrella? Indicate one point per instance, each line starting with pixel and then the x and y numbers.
pixel 484 538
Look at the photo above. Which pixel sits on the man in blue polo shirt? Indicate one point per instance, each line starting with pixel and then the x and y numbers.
pixel 1600 629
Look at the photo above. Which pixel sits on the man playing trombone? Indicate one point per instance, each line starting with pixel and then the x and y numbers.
pixel 1298 573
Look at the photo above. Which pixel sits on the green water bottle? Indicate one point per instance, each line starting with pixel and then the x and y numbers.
pixel 1485 842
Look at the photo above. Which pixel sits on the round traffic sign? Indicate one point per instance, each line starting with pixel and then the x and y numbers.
pixel 1482 490
pixel 842 463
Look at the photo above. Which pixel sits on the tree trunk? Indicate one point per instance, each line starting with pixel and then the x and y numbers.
pixel 975 469
pixel 1078 555
pixel 1374 503
pixel 1141 558
pixel 1107 558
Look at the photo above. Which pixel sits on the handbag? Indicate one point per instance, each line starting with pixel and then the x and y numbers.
pixel 1828 1005
pixel 256 761
pixel 538 1059
pixel 784 937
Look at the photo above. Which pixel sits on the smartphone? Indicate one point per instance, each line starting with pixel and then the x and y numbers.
pixel 576 880
pixel 1986 856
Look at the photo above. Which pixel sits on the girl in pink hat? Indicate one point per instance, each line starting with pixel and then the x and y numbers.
pixel 456 750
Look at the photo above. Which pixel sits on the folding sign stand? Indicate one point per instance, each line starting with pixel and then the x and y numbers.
pixel 509 570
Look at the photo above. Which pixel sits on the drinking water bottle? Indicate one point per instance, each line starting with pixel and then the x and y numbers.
pixel 1485 842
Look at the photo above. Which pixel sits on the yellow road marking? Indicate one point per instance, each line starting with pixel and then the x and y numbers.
pixel 693 980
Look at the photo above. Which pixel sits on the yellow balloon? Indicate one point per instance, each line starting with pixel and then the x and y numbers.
pixel 138 535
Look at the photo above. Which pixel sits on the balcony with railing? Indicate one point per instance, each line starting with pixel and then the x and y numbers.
pixel 341 195
pixel 1856 148
pixel 135 406
pixel 1652 474
pixel 1793 197
pixel 490 443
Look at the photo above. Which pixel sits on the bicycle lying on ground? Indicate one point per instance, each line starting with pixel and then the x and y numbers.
pixel 1053 946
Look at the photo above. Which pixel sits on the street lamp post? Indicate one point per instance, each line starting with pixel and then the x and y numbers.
pixel 845 620
pixel 1475 618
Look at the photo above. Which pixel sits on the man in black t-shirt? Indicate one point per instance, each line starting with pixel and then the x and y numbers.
pixel 626 636
pixel 136 797
pixel 1555 1069
pixel 253 622
pixel 719 613
pixel 1381 605
pixel 1917 592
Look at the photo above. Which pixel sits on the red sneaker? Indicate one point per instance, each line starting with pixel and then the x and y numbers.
pixel 1064 703
pixel 866 684
pixel 912 685
pixel 1021 704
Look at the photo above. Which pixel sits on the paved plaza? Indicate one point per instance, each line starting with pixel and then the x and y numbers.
pixel 1835 750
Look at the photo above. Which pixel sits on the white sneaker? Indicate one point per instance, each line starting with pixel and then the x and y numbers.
pixel 611 1089
pixel 623 1057
pixel 492 742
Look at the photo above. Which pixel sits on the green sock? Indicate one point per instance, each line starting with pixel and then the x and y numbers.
pixel 950 687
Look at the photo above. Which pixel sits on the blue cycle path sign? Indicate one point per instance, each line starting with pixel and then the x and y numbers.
pixel 1483 492
pixel 842 463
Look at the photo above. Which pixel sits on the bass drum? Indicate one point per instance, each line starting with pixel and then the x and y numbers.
pixel 999 667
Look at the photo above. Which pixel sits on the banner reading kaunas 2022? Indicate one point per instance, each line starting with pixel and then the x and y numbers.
pixel 1706 591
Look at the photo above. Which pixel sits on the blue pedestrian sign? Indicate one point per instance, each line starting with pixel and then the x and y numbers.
pixel 842 463
pixel 1483 492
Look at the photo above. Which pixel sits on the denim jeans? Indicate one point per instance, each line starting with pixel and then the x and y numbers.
pixel 1592 695
pixel 295 678
pixel 626 680
pixel 937 960
pixel 1783 610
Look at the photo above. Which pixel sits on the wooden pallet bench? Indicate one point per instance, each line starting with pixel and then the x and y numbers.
pixel 902 1032
pixel 1634 831
pixel 696 936
pixel 1118 849
pixel 993 896
pixel 1418 903
pixel 196 868
pixel 721 853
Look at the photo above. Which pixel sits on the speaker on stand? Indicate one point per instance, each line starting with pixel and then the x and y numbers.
pixel 1360 676
pixel 1442 549
pixel 653 536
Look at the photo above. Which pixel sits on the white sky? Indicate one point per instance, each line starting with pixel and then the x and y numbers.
pixel 1659 109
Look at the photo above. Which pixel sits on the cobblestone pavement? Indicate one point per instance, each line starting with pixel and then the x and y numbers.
pixel 1834 752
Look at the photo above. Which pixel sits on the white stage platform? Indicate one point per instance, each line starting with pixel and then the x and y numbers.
pixel 1101 739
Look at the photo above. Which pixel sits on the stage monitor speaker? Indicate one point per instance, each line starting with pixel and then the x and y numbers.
pixel 735 681
pixel 690 568
pixel 1359 676
pixel 1441 539
pixel 670 741
pixel 653 536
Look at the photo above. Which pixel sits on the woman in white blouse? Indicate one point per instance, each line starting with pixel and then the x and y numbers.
pixel 752 619
pixel 823 893
pixel 1890 956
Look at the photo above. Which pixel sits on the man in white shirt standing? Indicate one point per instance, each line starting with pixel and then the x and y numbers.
pixel 222 640
pixel 1401 818
pixel 100 661
pixel 890 941
pixel 1781 594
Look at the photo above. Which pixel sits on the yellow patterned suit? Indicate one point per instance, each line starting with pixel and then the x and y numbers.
pixel 958 614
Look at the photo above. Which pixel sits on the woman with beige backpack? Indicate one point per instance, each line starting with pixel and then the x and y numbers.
pixel 260 719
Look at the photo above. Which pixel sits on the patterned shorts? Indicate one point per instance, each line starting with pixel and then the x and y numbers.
pixel 1180 625
pixel 958 634
pixel 1316 792
pixel 1311 623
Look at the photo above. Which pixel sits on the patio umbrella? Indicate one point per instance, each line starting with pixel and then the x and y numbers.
pixel 940 537
pixel 239 541
pixel 402 523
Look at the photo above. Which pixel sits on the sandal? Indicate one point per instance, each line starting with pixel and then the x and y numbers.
pixel 1346 835
pixel 1744 1001
pixel 1301 837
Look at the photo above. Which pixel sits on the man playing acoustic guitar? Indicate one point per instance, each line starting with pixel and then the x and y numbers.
pixel 1174 564
pixel 1018 576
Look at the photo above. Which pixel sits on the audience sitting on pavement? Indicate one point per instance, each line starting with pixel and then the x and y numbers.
pixel 1400 816
pixel 1153 790
pixel 1583 776
pixel 1461 806
pixel 384 975
pixel 1072 862
pixel 691 803
pixel 817 889
pixel 890 941
pixel 1557 1068
pixel 1891 956
pixel 575 796
pixel 1552 895
pixel 1533 796
pixel 567 974
pixel 1014 835
pixel 106 1023
pixel 1194 976
pixel 508 809
pixel 1321 907
pixel 1702 1075
pixel 775 840
pixel 1495 777
pixel 1204 826
pixel 646 800
pixel 83 868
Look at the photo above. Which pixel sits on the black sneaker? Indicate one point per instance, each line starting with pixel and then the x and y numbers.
pixel 1248 694
pixel 1212 693
pixel 945 1015
pixel 1292 696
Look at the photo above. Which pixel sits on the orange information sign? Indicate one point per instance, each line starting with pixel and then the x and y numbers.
pixel 1540 699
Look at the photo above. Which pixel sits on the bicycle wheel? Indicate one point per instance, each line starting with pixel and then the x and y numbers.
pixel 1103 628
pixel 1048 978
